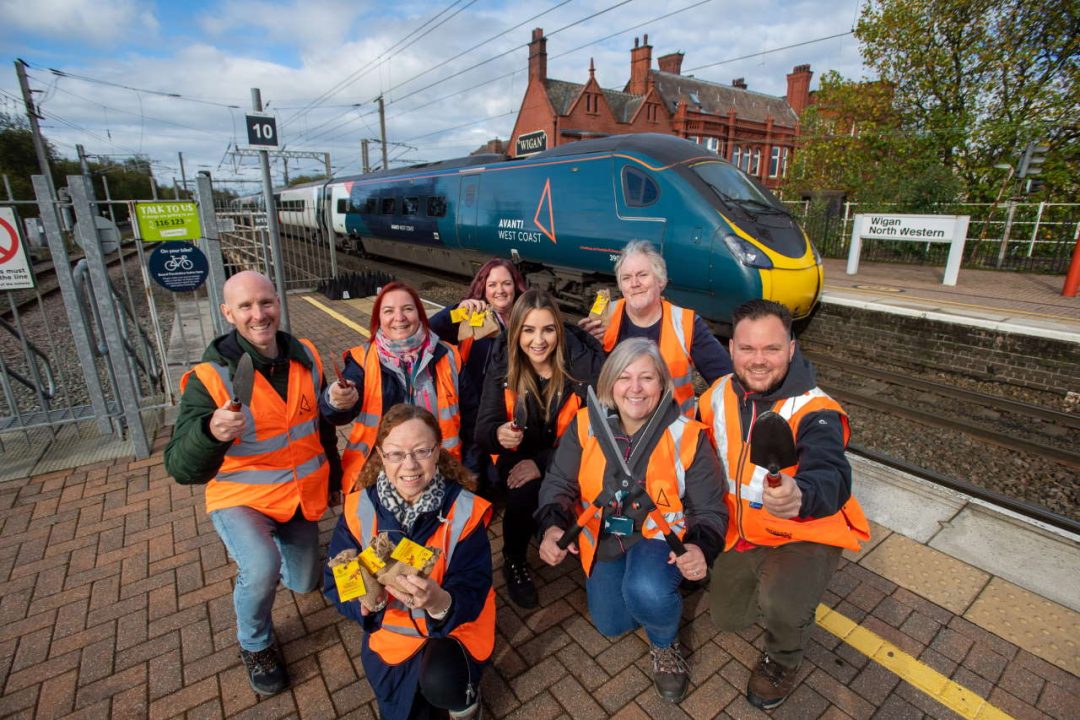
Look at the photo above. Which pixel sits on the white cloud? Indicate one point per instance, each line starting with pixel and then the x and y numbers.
pixel 95 21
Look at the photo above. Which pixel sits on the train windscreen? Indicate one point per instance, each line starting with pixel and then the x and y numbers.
pixel 734 187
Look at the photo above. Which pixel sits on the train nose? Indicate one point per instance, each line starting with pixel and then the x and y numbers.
pixel 797 288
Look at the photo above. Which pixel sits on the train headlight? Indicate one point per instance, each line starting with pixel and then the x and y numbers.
pixel 747 253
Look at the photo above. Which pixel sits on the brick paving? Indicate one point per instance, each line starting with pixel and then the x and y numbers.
pixel 116 602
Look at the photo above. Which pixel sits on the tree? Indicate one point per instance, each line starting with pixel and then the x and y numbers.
pixel 981 78
pixel 18 159
pixel 853 142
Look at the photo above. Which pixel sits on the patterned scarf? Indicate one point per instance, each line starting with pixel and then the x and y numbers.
pixel 409 360
pixel 406 513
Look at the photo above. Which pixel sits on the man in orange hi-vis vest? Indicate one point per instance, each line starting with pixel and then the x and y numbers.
pixel 249 428
pixel 783 542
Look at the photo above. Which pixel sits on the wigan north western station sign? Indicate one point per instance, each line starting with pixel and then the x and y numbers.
pixel 950 229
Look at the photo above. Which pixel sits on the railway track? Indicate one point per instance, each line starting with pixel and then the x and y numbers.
pixel 47 285
pixel 1008 423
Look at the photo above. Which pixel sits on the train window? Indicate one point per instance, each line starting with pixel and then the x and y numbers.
pixel 732 186
pixel 410 206
pixel 370 206
pixel 342 206
pixel 388 206
pixel 436 206
pixel 639 189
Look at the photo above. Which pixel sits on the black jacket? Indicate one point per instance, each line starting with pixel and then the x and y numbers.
pixel 583 358
pixel 824 475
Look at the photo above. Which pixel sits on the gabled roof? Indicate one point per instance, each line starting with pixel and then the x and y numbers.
pixel 562 95
pixel 719 99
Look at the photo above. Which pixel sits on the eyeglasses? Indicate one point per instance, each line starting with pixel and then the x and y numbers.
pixel 395 457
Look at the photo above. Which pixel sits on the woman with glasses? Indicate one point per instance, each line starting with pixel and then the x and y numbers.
pixel 677 486
pixel 538 374
pixel 405 362
pixel 428 639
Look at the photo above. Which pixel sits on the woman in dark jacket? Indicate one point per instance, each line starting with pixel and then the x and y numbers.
pixel 536 382
pixel 427 640
pixel 496 287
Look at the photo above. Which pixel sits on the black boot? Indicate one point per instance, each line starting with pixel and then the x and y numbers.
pixel 519 583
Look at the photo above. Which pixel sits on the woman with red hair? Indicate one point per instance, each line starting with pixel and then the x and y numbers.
pixel 496 287
pixel 405 362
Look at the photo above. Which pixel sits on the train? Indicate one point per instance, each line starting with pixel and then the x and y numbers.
pixel 564 214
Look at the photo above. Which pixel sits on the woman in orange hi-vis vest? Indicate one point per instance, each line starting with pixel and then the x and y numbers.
pixel 675 493
pixel 423 650
pixel 535 385
pixel 404 362
pixel 685 340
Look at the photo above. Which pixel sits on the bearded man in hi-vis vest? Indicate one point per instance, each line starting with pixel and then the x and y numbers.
pixel 269 462
pixel 783 542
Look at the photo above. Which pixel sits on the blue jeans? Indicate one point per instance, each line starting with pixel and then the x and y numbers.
pixel 639 588
pixel 266 551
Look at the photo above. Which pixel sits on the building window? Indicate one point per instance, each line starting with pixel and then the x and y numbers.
pixel 746 159
pixel 651 112
pixel 639 189
pixel 695 139
pixel 783 167
pixel 592 103
pixel 774 162
pixel 736 155
pixel 755 168
pixel 712 144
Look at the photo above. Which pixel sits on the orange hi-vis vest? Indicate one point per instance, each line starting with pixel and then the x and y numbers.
pixel 571 404
pixel 676 338
pixel 366 426
pixel 665 479
pixel 404 630
pixel 746 481
pixel 279 461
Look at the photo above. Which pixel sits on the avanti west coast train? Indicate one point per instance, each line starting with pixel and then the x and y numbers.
pixel 563 215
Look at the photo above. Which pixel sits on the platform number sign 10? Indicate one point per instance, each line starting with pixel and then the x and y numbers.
pixel 262 130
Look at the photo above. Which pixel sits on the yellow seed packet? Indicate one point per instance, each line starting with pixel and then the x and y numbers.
pixel 603 297
pixel 371 560
pixel 411 553
pixel 349 581
pixel 458 314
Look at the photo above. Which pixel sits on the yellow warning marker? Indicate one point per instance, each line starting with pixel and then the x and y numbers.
pixel 338 316
pixel 949 693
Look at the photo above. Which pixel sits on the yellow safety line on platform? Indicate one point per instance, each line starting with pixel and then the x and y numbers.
pixel 990 308
pixel 951 694
pixel 338 316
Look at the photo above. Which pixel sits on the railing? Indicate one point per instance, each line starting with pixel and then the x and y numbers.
pixel 1021 237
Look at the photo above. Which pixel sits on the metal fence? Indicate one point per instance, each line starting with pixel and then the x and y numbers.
pixel 1019 237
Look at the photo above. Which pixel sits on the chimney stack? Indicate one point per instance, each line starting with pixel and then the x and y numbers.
pixel 671 63
pixel 538 56
pixel 739 83
pixel 798 88
pixel 640 64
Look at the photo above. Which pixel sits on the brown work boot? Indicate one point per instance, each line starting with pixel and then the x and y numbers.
pixel 770 683
pixel 670 672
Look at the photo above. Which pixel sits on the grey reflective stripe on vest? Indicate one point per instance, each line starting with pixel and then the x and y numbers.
pixel 257 477
pixel 677 326
pixel 675 431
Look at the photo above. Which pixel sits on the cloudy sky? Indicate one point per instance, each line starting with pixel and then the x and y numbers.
pixel 158 78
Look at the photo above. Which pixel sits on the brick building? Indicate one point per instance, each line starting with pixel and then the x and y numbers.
pixel 752 130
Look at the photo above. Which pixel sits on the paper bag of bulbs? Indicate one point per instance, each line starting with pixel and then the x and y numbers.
pixel 364 575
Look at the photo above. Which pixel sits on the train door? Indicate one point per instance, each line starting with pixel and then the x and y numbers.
pixel 468 208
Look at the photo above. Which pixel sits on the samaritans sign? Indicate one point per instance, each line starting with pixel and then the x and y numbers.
pixel 168 221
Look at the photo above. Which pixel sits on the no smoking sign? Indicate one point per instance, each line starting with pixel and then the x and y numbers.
pixel 14 264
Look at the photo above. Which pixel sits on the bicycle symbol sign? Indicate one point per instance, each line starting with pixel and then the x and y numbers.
pixel 178 266
pixel 14 266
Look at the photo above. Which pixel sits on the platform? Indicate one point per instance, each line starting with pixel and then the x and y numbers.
pixel 115 601
pixel 1010 302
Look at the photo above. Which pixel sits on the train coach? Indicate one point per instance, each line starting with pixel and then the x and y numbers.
pixel 563 215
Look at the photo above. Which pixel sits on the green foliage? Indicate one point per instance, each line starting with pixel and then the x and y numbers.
pixel 978 79
pixel 17 157
pixel 301 179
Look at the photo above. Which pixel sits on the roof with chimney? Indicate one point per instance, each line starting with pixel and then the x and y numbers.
pixel 716 99
pixel 562 95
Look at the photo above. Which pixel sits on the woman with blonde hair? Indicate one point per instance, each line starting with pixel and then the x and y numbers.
pixel 535 384
pixel 425 645
pixel 677 487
